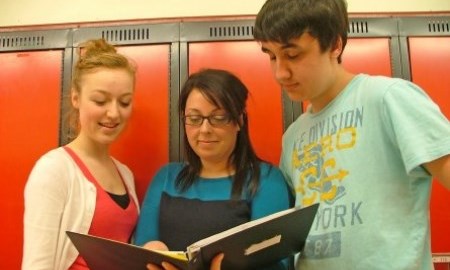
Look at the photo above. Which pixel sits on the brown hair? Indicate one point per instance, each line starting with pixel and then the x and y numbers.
pixel 228 92
pixel 283 20
pixel 94 54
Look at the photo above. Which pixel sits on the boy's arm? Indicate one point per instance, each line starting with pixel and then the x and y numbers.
pixel 440 169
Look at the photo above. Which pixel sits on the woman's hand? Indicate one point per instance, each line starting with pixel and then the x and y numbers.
pixel 215 264
pixel 155 245
pixel 165 266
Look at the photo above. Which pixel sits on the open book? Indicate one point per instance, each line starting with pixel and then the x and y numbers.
pixel 251 245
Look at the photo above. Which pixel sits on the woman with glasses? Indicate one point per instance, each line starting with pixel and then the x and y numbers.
pixel 222 182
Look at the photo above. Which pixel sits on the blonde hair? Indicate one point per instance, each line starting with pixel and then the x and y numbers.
pixel 94 54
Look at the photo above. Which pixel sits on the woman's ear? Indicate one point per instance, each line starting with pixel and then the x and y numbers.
pixel 75 98
pixel 242 119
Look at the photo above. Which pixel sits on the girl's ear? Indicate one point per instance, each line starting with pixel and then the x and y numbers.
pixel 75 98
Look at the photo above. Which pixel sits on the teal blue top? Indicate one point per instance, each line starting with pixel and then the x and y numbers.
pixel 272 196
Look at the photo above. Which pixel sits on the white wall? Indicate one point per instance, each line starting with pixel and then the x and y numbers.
pixel 42 12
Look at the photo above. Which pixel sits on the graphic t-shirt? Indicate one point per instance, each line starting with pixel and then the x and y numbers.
pixel 361 158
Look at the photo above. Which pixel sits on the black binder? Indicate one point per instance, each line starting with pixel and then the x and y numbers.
pixel 248 246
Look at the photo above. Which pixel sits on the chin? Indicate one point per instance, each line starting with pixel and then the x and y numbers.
pixel 108 139
pixel 206 156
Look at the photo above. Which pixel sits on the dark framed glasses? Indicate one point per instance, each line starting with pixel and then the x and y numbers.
pixel 213 120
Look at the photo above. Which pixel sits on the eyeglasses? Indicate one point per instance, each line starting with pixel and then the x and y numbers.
pixel 214 120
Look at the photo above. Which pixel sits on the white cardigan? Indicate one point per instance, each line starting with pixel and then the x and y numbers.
pixel 58 198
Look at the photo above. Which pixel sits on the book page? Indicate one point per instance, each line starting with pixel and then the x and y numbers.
pixel 195 246
pixel 178 255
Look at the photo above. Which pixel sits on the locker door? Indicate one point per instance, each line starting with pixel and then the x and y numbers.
pixel 245 60
pixel 430 63
pixel 30 93
pixel 144 146
pixel 368 55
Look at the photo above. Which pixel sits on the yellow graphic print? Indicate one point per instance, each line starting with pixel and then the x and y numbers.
pixel 319 177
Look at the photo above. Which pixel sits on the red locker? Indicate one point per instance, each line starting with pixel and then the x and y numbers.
pixel 368 55
pixel 30 87
pixel 430 63
pixel 144 146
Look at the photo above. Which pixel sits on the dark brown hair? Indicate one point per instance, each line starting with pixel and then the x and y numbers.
pixel 283 20
pixel 227 92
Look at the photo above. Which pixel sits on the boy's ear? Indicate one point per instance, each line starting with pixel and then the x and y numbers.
pixel 337 48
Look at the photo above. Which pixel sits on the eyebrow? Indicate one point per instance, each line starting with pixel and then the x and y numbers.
pixel 106 93
pixel 264 50
pixel 283 47
pixel 197 110
pixel 100 90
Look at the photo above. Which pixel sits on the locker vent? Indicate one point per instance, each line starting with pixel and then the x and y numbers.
pixel 126 34
pixel 438 27
pixel 358 27
pixel 231 31
pixel 20 42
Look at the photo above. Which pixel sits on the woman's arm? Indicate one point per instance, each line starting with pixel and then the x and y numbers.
pixel 273 194
pixel 45 195
pixel 148 224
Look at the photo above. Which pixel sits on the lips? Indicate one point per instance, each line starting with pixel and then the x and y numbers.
pixel 206 143
pixel 289 86
pixel 109 125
